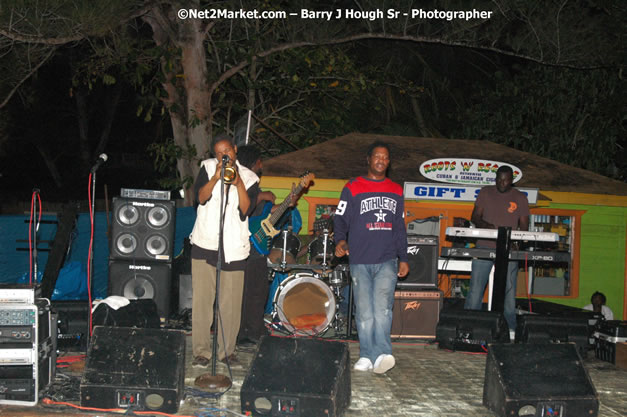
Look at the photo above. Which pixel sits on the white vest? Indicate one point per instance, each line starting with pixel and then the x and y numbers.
pixel 206 228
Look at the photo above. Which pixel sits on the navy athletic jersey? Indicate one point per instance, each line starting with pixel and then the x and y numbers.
pixel 370 217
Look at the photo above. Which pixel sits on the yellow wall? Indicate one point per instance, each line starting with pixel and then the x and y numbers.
pixel 601 244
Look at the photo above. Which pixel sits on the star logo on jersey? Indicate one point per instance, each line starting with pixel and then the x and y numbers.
pixel 380 216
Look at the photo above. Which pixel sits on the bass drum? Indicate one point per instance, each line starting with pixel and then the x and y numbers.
pixel 304 304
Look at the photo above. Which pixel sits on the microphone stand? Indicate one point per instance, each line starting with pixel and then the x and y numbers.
pixel 35 255
pixel 217 381
pixel 92 219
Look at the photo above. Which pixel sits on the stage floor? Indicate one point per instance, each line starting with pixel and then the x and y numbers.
pixel 426 381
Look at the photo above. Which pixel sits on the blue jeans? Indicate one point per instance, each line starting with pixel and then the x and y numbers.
pixel 479 277
pixel 373 292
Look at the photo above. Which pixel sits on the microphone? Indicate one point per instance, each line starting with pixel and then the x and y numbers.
pixel 101 160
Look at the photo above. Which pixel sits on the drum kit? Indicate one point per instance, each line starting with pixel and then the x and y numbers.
pixel 307 301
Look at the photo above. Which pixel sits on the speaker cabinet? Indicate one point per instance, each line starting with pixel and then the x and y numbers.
pixel 297 377
pixel 142 230
pixel 185 293
pixel 533 328
pixel 538 380
pixel 470 330
pixel 72 324
pixel 423 263
pixel 134 369
pixel 416 314
pixel 142 280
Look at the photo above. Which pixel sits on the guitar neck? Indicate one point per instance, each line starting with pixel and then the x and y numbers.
pixel 274 217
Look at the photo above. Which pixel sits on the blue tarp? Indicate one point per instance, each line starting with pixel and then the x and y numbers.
pixel 72 280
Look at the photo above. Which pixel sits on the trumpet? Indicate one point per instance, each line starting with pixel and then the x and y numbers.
pixel 230 173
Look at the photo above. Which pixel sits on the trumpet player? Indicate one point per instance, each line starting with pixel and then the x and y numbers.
pixel 238 201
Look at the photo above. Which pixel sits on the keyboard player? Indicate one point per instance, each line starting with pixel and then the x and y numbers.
pixel 496 206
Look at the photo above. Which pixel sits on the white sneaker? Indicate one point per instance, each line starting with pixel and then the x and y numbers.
pixel 363 364
pixel 384 363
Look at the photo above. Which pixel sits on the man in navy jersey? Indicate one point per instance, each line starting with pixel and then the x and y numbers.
pixel 369 220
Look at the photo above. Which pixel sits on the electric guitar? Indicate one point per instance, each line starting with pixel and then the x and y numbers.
pixel 262 226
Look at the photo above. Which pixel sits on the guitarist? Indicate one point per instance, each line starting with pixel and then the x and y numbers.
pixel 252 325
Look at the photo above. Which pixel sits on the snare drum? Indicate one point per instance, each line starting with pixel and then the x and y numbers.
pixel 304 304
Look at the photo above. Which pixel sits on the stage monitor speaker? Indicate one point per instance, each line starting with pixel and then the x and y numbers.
pixel 470 330
pixel 297 377
pixel 135 369
pixel 416 314
pixel 142 280
pixel 422 252
pixel 533 328
pixel 538 380
pixel 142 230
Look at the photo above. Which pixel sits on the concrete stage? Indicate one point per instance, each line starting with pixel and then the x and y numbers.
pixel 426 381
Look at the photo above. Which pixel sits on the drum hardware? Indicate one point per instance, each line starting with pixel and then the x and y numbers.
pixel 321 252
pixel 339 277
pixel 285 250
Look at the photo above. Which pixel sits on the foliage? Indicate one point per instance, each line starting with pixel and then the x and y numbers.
pixel 575 117
pixel 166 155
pixel 313 79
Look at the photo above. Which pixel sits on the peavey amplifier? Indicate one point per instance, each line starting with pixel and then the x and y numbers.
pixel 422 254
pixel 132 368
pixel 416 314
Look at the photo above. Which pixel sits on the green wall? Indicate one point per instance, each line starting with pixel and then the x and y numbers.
pixel 602 257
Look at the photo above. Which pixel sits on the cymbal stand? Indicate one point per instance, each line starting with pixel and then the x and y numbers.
pixel 325 240
pixel 284 233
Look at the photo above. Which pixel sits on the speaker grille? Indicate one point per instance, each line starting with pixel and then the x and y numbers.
pixel 310 374
pixel 416 314
pixel 422 252
pixel 116 366
pixel 142 281
pixel 142 230
pixel 538 378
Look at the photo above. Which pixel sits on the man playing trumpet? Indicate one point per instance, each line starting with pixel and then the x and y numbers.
pixel 238 202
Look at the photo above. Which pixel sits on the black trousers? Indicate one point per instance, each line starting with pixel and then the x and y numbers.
pixel 254 299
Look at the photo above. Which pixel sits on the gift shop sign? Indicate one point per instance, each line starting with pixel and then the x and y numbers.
pixel 465 170
pixel 453 192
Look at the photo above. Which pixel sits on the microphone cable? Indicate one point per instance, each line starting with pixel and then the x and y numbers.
pixel 30 234
pixel 89 253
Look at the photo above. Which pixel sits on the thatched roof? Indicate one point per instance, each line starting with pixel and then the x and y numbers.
pixel 345 157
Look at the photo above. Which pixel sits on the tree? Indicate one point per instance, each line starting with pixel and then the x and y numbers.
pixel 201 59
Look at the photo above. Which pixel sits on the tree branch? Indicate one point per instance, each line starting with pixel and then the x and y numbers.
pixel 26 77
pixel 364 36
pixel 41 40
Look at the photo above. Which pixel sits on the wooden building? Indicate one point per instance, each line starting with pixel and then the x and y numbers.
pixel 587 210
